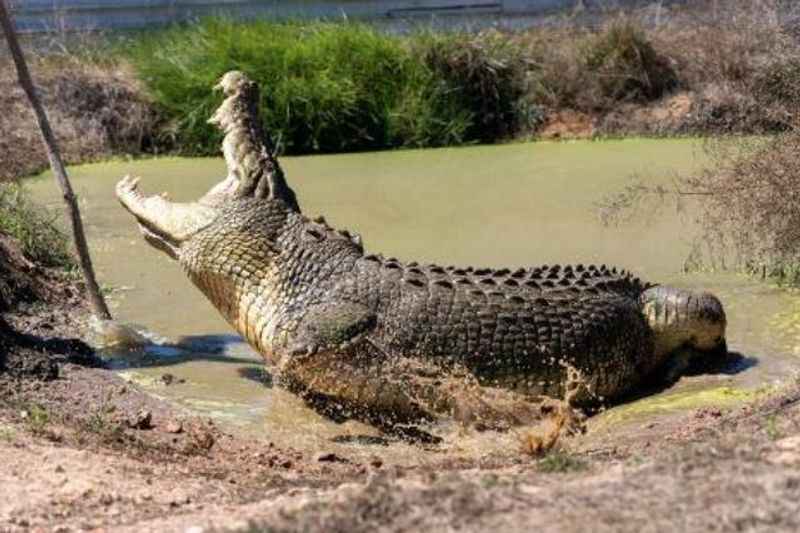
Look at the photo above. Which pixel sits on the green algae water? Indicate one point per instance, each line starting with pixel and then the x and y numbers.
pixel 510 205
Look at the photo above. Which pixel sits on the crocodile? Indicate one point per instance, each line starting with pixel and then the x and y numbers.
pixel 398 341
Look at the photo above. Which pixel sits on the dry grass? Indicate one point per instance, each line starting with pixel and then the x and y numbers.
pixel 97 110
pixel 750 199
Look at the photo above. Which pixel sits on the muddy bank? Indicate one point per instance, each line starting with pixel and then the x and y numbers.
pixel 82 456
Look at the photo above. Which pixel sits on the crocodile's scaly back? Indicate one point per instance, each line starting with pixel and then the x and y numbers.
pixel 382 335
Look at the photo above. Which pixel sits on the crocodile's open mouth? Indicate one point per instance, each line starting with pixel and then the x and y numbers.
pixel 165 225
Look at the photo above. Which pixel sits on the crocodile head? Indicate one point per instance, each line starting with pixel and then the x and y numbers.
pixel 167 225
pixel 253 174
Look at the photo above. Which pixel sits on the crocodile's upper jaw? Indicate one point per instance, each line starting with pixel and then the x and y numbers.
pixel 168 225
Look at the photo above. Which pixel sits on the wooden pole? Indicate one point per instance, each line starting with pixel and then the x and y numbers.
pixel 96 300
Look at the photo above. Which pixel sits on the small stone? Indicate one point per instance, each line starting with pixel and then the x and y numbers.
pixel 173 426
pixel 141 420
pixel 203 439
pixel 330 457
pixel 59 469
pixel 376 463
pixel 167 379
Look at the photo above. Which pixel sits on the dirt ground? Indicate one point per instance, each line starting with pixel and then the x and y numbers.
pixel 84 450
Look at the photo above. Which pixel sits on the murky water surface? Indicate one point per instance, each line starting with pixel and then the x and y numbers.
pixel 513 205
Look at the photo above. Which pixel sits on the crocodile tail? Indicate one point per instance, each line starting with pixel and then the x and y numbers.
pixel 681 317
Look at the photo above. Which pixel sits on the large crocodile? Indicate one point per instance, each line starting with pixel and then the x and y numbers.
pixel 397 339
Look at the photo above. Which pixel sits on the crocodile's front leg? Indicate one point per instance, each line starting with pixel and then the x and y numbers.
pixel 335 364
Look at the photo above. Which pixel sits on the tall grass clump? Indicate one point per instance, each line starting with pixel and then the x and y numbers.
pixel 596 71
pixel 627 66
pixel 325 87
pixel 475 87
pixel 334 87
pixel 40 237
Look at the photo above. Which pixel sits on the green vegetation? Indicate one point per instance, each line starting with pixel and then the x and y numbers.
pixel 35 228
pixel 559 461
pixel 332 87
pixel 36 418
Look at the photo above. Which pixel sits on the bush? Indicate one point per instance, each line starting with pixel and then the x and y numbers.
pixel 595 71
pixel 480 82
pixel 750 199
pixel 326 87
pixel 41 239
pixel 626 65
pixel 333 87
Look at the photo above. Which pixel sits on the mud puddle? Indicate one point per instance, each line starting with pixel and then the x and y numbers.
pixel 513 205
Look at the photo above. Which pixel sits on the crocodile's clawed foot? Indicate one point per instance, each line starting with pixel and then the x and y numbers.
pixel 303 350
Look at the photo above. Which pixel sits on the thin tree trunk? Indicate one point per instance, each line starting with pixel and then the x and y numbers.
pixel 95 297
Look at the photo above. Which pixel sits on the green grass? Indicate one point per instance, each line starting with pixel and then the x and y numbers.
pixel 36 418
pixel 36 229
pixel 558 461
pixel 336 87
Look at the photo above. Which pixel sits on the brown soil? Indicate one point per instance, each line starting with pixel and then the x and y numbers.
pixel 84 450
